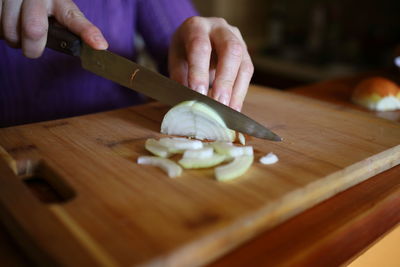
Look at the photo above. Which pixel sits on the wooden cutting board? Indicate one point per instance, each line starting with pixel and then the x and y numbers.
pixel 114 212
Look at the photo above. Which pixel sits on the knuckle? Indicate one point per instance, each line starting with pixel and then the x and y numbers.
pixel 236 32
pixel 220 20
pixel 235 29
pixel 234 48
pixel 199 45
pixel 193 21
pixel 247 67
pixel 35 29
pixel 72 14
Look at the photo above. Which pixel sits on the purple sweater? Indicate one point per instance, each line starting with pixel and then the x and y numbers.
pixel 55 86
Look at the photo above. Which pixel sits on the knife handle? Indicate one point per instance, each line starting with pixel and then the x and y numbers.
pixel 62 40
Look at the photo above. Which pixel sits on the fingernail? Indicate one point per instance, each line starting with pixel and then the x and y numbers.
pixel 202 89
pixel 223 99
pixel 237 108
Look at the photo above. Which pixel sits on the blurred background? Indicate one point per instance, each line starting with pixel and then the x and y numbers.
pixel 295 42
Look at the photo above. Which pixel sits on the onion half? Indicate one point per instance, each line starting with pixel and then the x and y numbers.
pixel 197 120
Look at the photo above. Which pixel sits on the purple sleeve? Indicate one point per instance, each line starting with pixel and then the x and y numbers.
pixel 157 20
pixel 55 86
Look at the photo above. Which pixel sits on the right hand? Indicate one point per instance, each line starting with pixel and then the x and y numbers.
pixel 24 23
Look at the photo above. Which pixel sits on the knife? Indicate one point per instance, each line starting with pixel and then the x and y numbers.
pixel 140 79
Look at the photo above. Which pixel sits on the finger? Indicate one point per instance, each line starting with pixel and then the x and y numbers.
pixel 34 25
pixel 195 35
pixel 244 76
pixel 238 34
pixel 213 67
pixel 177 65
pixel 242 82
pixel 230 52
pixel 178 68
pixel 179 72
pixel 10 22
pixel 69 15
pixel 212 76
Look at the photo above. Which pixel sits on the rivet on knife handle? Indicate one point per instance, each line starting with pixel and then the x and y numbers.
pixel 62 40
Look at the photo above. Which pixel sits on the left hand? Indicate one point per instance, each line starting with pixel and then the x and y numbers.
pixel 209 51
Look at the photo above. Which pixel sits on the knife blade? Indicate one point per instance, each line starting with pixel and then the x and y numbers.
pixel 152 84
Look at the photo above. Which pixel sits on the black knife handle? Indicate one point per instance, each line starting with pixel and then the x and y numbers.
pixel 62 40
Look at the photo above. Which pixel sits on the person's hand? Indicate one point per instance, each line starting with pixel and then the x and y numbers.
pixel 24 23
pixel 209 51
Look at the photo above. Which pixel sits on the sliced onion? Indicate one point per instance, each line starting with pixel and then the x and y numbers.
pixel 197 163
pixel 170 167
pixel 230 150
pixel 241 138
pixel 195 119
pixel 234 169
pixel 154 146
pixel 270 158
pixel 202 153
pixel 178 145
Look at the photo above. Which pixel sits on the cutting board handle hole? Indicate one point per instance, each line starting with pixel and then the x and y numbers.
pixel 48 186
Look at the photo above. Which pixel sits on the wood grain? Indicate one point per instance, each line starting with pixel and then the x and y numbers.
pixel 136 215
pixel 330 234
pixel 35 228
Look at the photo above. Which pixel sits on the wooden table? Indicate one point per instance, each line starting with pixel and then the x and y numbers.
pixel 339 229
pixel 329 234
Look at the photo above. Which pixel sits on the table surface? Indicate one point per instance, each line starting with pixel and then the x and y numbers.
pixel 329 234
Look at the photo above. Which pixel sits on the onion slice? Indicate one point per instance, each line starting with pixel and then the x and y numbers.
pixel 196 119
pixel 178 145
pixel 241 138
pixel 270 158
pixel 234 169
pixel 170 167
pixel 154 146
pixel 230 150
pixel 197 163
pixel 202 153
